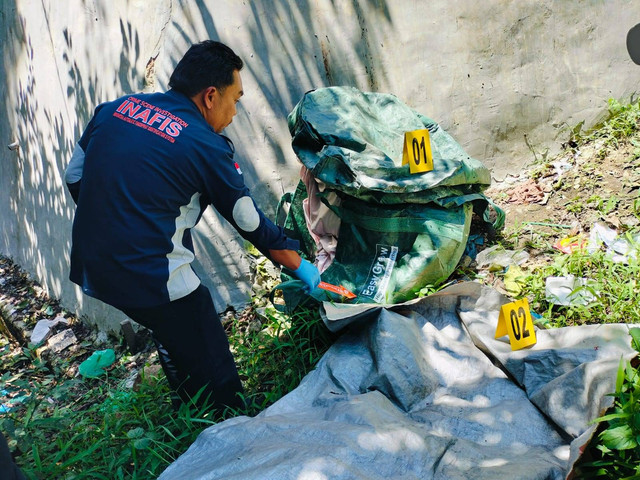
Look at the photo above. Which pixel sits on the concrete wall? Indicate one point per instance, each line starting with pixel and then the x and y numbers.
pixel 490 72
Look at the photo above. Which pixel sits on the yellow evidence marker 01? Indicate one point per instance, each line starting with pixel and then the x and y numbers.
pixel 515 320
pixel 417 151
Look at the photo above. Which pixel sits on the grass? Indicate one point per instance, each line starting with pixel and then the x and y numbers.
pixel 75 428
pixel 273 359
pixel 616 453
pixel 612 284
pixel 613 287
pixel 620 125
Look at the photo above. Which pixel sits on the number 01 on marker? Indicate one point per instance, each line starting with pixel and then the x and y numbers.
pixel 417 151
pixel 515 321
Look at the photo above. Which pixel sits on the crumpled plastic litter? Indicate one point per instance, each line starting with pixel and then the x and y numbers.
pixel 43 329
pixel 569 290
pixel 498 257
pixel 94 366
pixel 11 402
pixel 621 248
pixel 514 280
pixel 569 245
pixel 473 242
pixel 562 166
pixel 540 321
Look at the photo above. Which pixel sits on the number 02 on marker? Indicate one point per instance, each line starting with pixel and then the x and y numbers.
pixel 515 321
pixel 417 151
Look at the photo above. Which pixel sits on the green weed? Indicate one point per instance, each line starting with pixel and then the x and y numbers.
pixel 617 452
pixel 604 205
pixel 76 428
pixel 613 286
pixel 621 123
pixel 275 355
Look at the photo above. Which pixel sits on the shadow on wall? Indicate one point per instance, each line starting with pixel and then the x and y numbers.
pixel 39 211
pixel 291 55
pixel 86 94
pixel 36 205
pixel 10 28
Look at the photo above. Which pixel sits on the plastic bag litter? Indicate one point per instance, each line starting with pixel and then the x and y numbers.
pixel 569 290
pixel 514 280
pixel 94 366
pixel 42 330
pixel 621 248
pixel 497 257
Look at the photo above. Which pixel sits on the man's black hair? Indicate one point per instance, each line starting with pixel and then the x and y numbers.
pixel 206 64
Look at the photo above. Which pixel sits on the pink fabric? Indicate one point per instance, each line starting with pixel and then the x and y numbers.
pixel 322 223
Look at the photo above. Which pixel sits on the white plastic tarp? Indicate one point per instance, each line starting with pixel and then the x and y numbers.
pixel 422 390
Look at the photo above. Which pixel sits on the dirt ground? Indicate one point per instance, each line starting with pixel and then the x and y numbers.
pixel 567 195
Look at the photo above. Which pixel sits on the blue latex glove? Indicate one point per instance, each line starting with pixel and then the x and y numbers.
pixel 309 274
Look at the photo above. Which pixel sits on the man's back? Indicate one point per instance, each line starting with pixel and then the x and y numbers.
pixel 151 166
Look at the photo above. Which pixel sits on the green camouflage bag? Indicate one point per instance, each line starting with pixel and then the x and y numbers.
pixel 399 232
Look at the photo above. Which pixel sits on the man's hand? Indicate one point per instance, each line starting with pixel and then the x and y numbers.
pixel 302 269
pixel 309 274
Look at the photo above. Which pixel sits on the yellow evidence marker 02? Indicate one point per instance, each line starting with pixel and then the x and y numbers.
pixel 417 151
pixel 515 320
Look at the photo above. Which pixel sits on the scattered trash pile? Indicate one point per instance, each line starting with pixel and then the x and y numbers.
pixel 46 341
pixel 369 222
pixel 565 290
pixel 571 290
pixel 32 324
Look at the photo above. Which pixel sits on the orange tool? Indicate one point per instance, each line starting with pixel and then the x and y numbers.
pixel 340 290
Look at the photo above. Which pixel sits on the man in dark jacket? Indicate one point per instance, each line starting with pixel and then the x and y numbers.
pixel 8 469
pixel 142 174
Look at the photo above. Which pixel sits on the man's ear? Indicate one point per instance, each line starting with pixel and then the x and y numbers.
pixel 208 96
